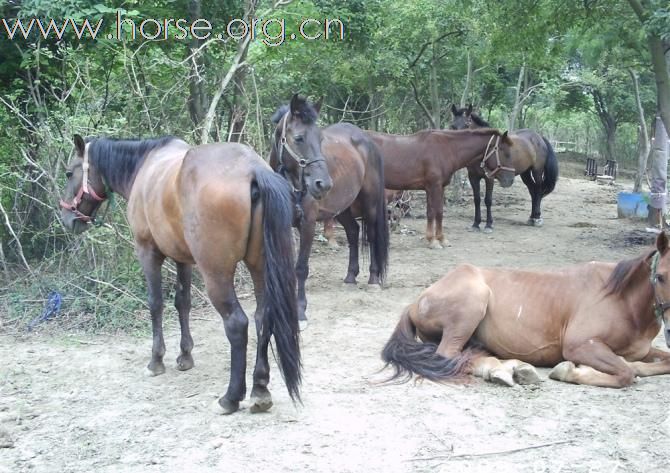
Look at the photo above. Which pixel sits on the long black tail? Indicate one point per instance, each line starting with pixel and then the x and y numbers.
pixel 379 244
pixel 409 356
pixel 550 170
pixel 281 310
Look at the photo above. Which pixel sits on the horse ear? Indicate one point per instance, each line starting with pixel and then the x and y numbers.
pixel 453 109
pixel 79 145
pixel 662 243
pixel 317 105
pixel 294 107
pixel 506 139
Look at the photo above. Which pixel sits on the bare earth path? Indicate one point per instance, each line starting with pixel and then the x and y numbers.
pixel 81 403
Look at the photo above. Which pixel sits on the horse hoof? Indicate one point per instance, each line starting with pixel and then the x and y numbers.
pixel 526 374
pixel 185 362
pixel 225 407
pixel 535 222
pixel 488 230
pixel 374 287
pixel 261 401
pixel 155 368
pixel 302 325
pixel 502 377
pixel 475 228
pixel 350 280
pixel 435 245
pixel 562 370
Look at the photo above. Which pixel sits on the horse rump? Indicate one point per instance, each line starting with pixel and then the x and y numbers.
pixel 408 356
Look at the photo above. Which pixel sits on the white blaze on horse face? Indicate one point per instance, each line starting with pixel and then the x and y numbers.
pixel 518 314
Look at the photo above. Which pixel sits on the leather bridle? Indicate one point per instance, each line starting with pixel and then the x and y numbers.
pixel 660 305
pixel 495 151
pixel 85 190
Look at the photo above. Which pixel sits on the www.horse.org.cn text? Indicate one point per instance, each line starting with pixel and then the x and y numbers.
pixel 269 31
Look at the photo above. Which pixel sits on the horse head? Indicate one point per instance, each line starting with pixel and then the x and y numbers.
pixel 297 148
pixel 660 280
pixel 461 117
pixel 498 159
pixel 84 190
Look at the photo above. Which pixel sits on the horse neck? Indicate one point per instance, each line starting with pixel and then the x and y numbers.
pixel 639 293
pixel 466 148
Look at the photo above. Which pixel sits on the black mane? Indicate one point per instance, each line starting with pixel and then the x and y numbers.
pixel 479 121
pixel 118 161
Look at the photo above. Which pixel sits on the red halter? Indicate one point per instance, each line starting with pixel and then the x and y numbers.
pixel 85 189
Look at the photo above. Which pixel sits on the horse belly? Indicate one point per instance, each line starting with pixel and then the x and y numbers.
pixel 511 337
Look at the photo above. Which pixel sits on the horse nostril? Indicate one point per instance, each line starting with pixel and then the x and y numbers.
pixel 322 185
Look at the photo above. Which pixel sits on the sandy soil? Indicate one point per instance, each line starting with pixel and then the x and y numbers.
pixel 81 403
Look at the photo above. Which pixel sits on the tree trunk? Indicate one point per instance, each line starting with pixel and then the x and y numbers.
pixel 607 120
pixel 434 91
pixel 658 171
pixel 517 99
pixel 468 80
pixel 197 98
pixel 660 61
pixel 643 136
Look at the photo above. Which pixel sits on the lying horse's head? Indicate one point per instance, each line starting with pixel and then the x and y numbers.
pixel 84 190
pixel 297 148
pixel 660 279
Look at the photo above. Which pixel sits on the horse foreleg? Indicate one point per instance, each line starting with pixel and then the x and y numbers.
pixel 307 230
pixel 151 261
pixel 475 179
pixel 488 200
pixel 352 229
pixel 329 232
pixel 222 294
pixel 434 200
pixel 655 363
pixel 182 302
pixel 598 366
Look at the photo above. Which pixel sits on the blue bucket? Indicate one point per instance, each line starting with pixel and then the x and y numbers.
pixel 632 205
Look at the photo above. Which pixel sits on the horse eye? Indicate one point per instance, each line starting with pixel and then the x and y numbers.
pixel 68 174
pixel 298 139
pixel 660 278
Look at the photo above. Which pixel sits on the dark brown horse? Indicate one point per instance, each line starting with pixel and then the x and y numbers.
pixel 426 161
pixel 211 205
pixel 355 187
pixel 593 322
pixel 535 161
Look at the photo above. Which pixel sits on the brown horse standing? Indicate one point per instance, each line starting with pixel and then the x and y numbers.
pixel 426 161
pixel 356 187
pixel 595 320
pixel 212 205
pixel 534 160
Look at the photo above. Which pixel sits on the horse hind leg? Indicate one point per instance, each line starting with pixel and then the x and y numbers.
pixel 222 294
pixel 151 261
pixel 182 302
pixel 352 229
pixel 488 201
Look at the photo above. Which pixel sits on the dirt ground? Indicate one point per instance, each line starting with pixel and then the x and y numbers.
pixel 82 403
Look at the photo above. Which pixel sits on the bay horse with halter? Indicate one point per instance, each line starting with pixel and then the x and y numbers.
pixel 212 205
pixel 594 323
pixel 350 183
pixel 426 161
pixel 534 160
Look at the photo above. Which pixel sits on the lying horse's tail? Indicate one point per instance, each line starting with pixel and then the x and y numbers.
pixel 280 317
pixel 550 170
pixel 409 356
pixel 379 239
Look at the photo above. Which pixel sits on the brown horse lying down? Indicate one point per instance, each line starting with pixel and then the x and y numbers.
pixel 593 322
